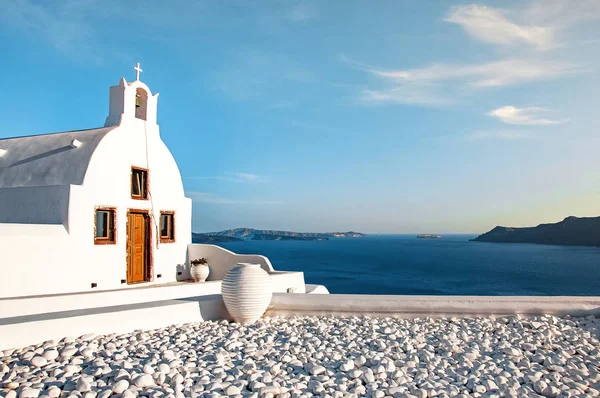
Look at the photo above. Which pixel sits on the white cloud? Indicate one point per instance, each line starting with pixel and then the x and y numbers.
pixel 496 73
pixel 491 25
pixel 531 116
pixel 206 197
pixel 81 28
pixel 405 94
pixel 538 24
pixel 65 25
pixel 441 84
pixel 497 135
pixel 247 177
pixel 561 13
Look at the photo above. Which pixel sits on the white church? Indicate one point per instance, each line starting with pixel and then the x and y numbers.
pixel 102 210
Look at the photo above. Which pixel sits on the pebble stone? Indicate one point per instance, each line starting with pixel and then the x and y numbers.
pixel 301 357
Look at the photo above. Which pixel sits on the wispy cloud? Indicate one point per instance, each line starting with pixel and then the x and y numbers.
pixel 65 25
pixel 537 24
pixel 442 84
pixel 560 14
pixel 207 197
pixel 238 177
pixel 497 73
pixel 497 135
pixel 405 94
pixel 492 26
pixel 531 116
pixel 247 177
pixel 81 28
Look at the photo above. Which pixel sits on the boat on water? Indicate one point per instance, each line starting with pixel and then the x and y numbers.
pixel 428 236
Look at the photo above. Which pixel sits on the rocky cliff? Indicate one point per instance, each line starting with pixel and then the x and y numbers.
pixel 572 231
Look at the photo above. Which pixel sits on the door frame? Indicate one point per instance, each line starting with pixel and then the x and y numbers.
pixel 149 265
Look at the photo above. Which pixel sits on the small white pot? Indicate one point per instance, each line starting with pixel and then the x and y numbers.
pixel 200 272
pixel 247 292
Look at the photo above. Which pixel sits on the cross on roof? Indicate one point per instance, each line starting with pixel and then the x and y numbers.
pixel 137 71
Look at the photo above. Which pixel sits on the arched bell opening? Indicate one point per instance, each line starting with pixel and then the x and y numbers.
pixel 141 103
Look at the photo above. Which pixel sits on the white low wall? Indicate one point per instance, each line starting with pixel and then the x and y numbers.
pixel 430 306
pixel 220 260
pixel 31 320
pixel 22 306
pixel 126 318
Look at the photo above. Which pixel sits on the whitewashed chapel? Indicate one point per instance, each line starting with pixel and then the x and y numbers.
pixel 101 208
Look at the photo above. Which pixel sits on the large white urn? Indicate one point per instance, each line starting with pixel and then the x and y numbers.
pixel 246 292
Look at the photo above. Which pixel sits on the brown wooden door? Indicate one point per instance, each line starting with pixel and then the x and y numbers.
pixel 137 247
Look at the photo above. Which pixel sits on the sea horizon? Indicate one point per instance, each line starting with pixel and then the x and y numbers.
pixel 400 264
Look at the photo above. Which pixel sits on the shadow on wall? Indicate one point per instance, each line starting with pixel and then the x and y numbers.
pixel 42 155
pixel 212 307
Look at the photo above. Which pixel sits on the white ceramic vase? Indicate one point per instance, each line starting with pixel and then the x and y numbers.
pixel 246 292
pixel 200 272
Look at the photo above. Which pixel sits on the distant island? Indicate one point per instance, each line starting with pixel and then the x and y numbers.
pixel 428 236
pixel 204 238
pixel 238 234
pixel 572 231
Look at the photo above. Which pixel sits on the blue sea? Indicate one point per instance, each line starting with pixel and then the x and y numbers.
pixel 403 264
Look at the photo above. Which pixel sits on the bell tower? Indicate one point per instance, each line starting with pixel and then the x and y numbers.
pixel 131 101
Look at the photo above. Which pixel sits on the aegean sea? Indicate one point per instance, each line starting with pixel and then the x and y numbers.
pixel 452 265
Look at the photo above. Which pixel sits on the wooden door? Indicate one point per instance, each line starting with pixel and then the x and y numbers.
pixel 137 247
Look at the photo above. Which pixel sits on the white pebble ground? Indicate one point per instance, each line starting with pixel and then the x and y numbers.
pixel 318 356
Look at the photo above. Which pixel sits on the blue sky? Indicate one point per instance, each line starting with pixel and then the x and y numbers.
pixel 390 117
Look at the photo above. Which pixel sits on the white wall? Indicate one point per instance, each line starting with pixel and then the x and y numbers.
pixel 122 103
pixel 120 150
pixel 220 260
pixel 36 259
pixel 70 261
pixel 429 306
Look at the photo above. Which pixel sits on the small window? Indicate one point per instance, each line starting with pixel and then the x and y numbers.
pixel 139 183
pixel 105 226
pixel 167 226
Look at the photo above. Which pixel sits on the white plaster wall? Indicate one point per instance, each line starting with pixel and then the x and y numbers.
pixel 220 260
pixel 108 183
pixel 429 306
pixel 125 318
pixel 143 293
pixel 316 289
pixel 33 257
pixel 122 103
pixel 70 262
